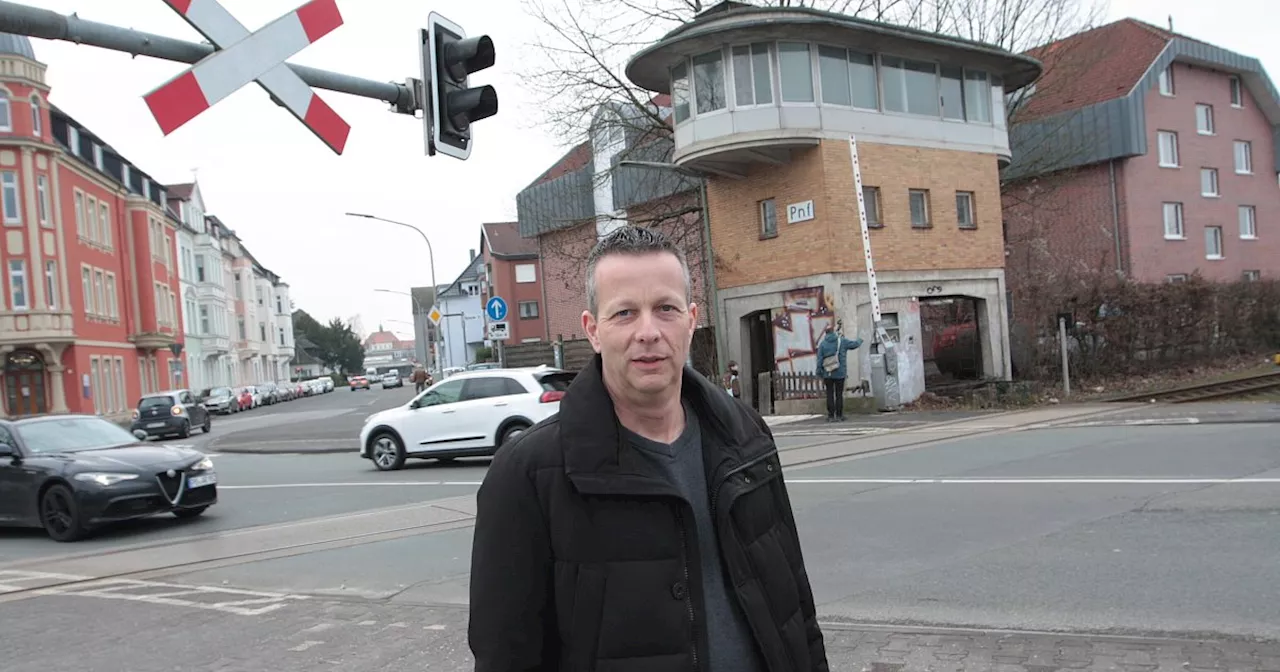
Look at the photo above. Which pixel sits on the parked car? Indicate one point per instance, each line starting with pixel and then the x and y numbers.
pixel 221 400
pixel 172 413
pixel 358 383
pixel 72 473
pixel 469 414
pixel 392 379
pixel 247 400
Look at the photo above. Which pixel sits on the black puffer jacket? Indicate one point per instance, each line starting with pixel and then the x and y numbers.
pixel 584 558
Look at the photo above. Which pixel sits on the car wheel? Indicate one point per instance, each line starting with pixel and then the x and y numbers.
pixel 509 434
pixel 387 452
pixel 186 430
pixel 208 424
pixel 189 513
pixel 59 514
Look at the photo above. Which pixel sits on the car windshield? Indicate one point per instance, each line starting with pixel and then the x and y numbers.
pixel 69 435
pixel 219 392
pixel 154 402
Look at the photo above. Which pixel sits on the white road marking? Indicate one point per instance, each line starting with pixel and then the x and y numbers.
pixel 1029 481
pixel 13 580
pixel 436 626
pixel 833 481
pixel 245 602
pixel 306 645
pixel 345 485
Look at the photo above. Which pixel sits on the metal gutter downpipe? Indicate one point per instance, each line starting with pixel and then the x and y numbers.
pixel 1115 218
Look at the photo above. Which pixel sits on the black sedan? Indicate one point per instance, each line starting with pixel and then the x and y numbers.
pixel 72 473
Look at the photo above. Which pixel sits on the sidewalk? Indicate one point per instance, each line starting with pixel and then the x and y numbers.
pixel 887 649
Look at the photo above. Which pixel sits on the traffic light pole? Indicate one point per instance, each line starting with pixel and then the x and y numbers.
pixel 46 24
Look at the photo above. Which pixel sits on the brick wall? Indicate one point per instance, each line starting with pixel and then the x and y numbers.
pixel 564 255
pixel 564 259
pixel 1059 229
pixel 832 241
pixel 1150 185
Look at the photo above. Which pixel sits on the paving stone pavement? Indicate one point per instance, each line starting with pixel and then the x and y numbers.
pixel 359 636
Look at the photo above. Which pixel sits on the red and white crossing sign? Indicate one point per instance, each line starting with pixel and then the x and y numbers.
pixel 243 57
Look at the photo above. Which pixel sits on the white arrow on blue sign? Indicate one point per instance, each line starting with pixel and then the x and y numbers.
pixel 496 308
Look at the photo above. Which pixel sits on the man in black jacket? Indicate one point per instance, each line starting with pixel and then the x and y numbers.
pixel 646 527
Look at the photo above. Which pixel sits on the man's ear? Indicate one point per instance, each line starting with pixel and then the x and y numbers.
pixel 590 327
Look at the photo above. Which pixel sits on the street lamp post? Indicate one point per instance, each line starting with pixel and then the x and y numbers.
pixel 432 258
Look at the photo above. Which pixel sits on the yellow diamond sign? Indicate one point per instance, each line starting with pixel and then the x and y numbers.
pixel 435 316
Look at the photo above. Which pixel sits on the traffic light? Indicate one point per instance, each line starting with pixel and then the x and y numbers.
pixel 449 59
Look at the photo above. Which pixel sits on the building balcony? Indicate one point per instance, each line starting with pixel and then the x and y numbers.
pixel 153 340
pixel 36 326
pixel 247 349
pixel 209 291
pixel 212 345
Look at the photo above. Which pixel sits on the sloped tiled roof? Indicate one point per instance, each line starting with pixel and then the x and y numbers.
pixel 181 192
pixel 505 241
pixel 1093 66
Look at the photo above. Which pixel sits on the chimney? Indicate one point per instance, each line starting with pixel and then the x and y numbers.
pixel 473 256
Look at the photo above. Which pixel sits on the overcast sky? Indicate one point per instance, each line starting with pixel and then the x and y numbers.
pixel 285 193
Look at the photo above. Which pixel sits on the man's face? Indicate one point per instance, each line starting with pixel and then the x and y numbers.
pixel 644 323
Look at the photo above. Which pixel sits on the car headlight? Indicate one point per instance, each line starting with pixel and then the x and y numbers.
pixel 203 465
pixel 103 478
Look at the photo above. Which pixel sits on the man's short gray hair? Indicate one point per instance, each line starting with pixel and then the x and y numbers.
pixel 635 241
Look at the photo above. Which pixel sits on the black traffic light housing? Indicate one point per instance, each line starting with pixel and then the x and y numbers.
pixel 449 60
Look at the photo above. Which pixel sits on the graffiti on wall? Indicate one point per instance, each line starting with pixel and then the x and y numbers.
pixel 797 328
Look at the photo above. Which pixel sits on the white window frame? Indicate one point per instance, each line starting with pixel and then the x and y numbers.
pixel 813 83
pixel 9 194
pixel 79 205
pixel 1178 231
pixel 113 303
pixel 1235 87
pixel 86 288
pixel 17 269
pixel 1172 136
pixel 1204 119
pixel 1175 278
pixel 1247 155
pixel 42 201
pixel 37 123
pixel 99 405
pixel 526 273
pixel 767 217
pixel 51 284
pixel 104 225
pixel 750 74
pixel 1251 276
pixel 1214 189
pixel 871 199
pixel 6 113
pixel 681 92
pixel 906 98
pixel 100 289
pixel 969 210
pixel 1247 216
pixel 1168 87
pixel 718 56
pixel 1214 234
pixel 121 388
pixel 928 216
pixel 91 219
pixel 521 307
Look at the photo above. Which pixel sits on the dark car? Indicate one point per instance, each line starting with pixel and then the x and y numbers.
pixel 170 413
pixel 72 473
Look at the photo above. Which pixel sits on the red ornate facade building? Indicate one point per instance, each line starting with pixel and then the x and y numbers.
pixel 90 305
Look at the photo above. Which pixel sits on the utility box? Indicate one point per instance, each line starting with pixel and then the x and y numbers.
pixel 884 378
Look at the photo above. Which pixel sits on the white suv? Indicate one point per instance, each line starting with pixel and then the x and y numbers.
pixel 469 414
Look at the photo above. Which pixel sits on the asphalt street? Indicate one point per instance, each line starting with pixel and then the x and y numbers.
pixel 1062 538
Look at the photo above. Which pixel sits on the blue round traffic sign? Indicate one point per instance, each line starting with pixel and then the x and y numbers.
pixel 496 308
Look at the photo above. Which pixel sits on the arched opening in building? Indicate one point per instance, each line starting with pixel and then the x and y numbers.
pixel 24 383
pixel 951 333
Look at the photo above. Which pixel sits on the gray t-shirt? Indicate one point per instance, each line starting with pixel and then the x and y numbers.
pixel 733 647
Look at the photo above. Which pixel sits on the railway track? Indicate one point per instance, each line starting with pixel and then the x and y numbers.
pixel 1241 387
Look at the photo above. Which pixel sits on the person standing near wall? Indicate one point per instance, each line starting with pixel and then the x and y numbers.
pixel 833 369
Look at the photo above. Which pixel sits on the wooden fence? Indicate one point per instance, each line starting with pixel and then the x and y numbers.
pixel 577 353
pixel 789 386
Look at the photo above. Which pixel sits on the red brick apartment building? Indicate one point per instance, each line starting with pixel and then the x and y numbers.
pixel 513 271
pixel 89 305
pixel 1144 153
